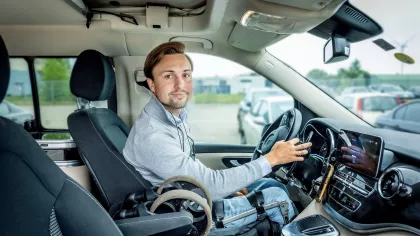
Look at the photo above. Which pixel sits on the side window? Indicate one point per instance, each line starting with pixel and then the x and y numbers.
pixel 18 103
pixel 55 99
pixel 413 112
pixel 219 86
pixel 400 113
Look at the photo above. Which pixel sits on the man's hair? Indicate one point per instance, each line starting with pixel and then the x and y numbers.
pixel 156 55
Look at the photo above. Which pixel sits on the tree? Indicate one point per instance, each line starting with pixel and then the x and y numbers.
pixel 54 80
pixel 317 74
pixel 354 71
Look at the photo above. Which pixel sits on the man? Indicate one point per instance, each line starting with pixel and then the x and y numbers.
pixel 159 145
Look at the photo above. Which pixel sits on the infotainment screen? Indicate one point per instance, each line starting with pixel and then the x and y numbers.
pixel 361 152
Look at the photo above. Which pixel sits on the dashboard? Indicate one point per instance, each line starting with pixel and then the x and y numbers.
pixel 375 185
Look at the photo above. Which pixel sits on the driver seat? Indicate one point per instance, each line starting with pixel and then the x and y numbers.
pixel 100 136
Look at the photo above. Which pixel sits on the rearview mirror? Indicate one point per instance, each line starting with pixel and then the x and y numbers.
pixel 336 49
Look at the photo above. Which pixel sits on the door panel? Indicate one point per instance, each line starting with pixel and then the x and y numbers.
pixel 223 156
pixel 220 161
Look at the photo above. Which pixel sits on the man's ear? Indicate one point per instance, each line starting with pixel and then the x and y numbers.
pixel 151 84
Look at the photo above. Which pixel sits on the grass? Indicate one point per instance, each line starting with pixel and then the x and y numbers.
pixel 213 98
pixel 56 136
pixel 27 101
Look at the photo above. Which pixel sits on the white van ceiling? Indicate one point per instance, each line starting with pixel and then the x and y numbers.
pixel 183 4
pixel 56 27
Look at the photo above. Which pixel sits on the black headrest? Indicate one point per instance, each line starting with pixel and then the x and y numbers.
pixel 4 70
pixel 93 77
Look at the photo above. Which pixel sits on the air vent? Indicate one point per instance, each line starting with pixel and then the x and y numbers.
pixel 356 15
pixel 390 183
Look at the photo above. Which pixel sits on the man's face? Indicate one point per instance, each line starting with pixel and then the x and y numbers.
pixel 172 81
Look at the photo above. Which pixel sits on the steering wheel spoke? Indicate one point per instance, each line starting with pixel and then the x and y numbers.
pixel 285 127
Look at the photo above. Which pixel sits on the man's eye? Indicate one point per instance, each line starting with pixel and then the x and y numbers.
pixel 168 76
pixel 187 76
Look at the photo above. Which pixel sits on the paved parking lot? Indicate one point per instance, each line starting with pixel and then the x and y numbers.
pixel 214 123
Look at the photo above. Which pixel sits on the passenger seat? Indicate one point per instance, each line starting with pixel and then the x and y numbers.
pixel 99 133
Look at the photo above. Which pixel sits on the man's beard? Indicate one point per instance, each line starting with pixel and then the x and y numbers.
pixel 177 104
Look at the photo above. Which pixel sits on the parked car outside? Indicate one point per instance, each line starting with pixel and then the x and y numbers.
pixel 265 111
pixel 369 106
pixel 355 89
pixel 405 117
pixel 403 96
pixel 249 99
pixel 415 91
pixel 15 113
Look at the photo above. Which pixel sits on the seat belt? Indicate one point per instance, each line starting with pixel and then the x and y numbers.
pixel 256 199
pixel 218 212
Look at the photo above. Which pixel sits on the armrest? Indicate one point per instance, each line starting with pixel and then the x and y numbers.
pixel 175 223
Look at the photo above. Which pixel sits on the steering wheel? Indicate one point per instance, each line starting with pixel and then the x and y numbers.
pixel 285 127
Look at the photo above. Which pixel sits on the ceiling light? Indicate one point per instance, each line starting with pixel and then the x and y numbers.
pixel 262 21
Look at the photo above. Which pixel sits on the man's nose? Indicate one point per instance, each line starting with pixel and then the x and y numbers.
pixel 179 82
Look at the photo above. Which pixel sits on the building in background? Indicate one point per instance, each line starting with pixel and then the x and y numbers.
pixel 229 85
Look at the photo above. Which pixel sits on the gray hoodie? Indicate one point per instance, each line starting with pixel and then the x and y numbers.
pixel 159 149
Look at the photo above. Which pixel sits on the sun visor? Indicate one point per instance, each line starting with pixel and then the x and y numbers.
pixel 252 40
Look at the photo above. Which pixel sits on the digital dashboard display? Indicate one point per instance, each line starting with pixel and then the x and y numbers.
pixel 361 152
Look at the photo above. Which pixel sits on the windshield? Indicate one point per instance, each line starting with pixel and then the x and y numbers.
pixel 392 89
pixel 369 69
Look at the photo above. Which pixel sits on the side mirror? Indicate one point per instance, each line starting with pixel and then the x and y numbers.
pixel 336 49
pixel 259 120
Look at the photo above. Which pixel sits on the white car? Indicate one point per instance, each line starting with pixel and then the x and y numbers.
pixel 15 113
pixel 251 96
pixel 264 111
pixel 369 106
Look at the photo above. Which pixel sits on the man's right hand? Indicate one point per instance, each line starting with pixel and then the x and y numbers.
pixel 285 152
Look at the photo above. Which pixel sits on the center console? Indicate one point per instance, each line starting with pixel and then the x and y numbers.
pixel 311 225
pixel 363 199
pixel 362 196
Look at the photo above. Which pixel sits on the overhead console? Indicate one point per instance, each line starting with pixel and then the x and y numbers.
pixel 350 23
pixel 264 22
